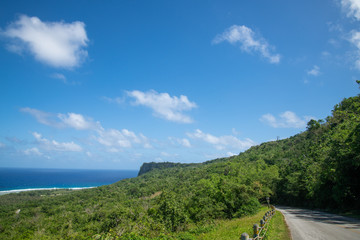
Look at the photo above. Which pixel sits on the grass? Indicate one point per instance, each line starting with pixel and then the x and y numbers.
pixel 232 229
pixel 278 229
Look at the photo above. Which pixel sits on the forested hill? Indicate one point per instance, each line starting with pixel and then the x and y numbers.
pixel 316 168
pixel 320 167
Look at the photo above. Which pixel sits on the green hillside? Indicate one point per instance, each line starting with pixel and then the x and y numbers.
pixel 316 168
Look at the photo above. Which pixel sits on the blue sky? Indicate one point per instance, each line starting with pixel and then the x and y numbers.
pixel 113 84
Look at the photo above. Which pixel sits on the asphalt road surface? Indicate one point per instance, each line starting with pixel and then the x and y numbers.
pixel 315 225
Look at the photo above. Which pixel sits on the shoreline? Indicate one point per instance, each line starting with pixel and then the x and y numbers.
pixel 40 189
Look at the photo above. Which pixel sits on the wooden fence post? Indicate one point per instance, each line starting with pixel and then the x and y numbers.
pixel 260 229
pixel 262 223
pixel 244 236
pixel 256 230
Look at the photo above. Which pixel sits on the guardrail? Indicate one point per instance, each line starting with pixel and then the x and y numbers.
pixel 260 230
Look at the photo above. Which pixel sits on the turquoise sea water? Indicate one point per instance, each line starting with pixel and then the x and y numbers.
pixel 22 179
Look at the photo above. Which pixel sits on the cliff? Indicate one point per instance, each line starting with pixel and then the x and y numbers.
pixel 147 167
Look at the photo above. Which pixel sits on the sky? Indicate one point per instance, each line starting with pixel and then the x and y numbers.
pixel 113 84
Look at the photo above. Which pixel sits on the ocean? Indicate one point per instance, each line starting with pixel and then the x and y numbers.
pixel 25 179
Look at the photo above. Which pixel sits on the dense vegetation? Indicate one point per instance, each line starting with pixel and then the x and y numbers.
pixel 316 168
pixel 320 167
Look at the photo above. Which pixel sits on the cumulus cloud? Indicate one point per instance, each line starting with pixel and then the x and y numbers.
pixel 180 141
pixel 185 142
pixel 315 71
pixel 60 77
pixel 164 105
pixel 352 8
pixel 115 139
pixel 222 142
pixel 286 119
pixel 42 117
pixel 33 151
pixel 355 40
pixel 64 79
pixel 52 145
pixel 57 44
pixel 69 120
pixel 77 121
pixel 248 41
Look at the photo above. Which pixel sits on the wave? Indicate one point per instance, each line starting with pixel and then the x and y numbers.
pixel 40 189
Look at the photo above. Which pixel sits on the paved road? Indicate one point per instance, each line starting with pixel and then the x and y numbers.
pixel 315 225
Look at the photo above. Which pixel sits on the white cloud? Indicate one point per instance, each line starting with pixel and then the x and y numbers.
pixel 60 77
pixel 42 117
pixel 234 131
pixel 69 120
pixel 204 136
pixel 270 119
pixel 33 151
pixel 113 150
pixel 117 139
pixel 180 141
pixel 112 138
pixel 287 119
pixel 352 8
pixel 165 154
pixel 164 106
pixel 355 40
pixel 57 44
pixel 248 42
pixel 77 121
pixel 222 142
pixel 185 142
pixel 315 71
pixel 231 154
pixel 52 145
pixel 308 118
pixel 2 145
pixel 63 78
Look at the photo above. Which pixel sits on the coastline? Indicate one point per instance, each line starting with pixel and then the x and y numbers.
pixel 40 189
